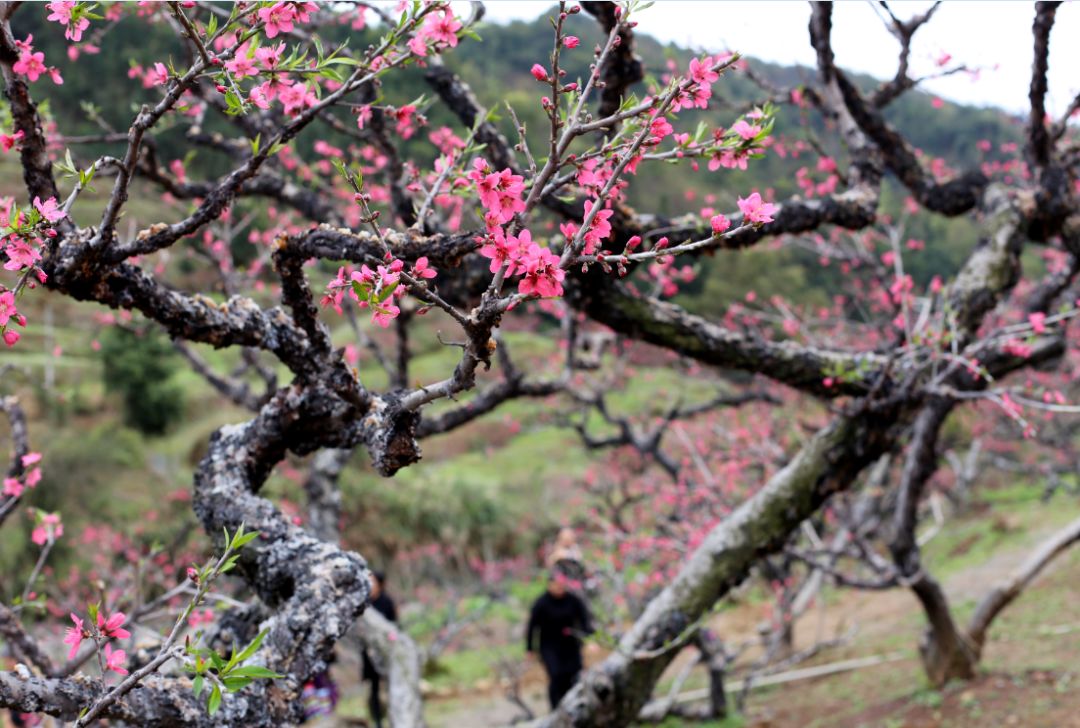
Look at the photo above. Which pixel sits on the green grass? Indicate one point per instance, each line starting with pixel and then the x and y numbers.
pixel 1018 518
pixel 465 668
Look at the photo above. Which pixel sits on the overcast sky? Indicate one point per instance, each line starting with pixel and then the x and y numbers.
pixel 993 36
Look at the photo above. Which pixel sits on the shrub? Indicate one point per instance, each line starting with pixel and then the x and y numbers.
pixel 139 366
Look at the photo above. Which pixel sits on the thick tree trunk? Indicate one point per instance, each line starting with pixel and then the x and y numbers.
pixel 323 494
pixel 612 694
pixel 950 653
pixel 947 652
pixel 398 659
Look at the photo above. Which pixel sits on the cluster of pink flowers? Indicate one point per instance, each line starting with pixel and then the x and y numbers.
pixel 297 98
pixel 599 228
pixel 404 119
pixel 9 313
pixel 729 159
pixel 439 29
pixel 21 245
pixel 500 193
pixel 32 64
pixel 736 157
pixel 281 17
pixel 538 266
pixel 659 129
pixel 47 528
pixel 107 628
pixel 702 76
pixel 266 60
pixel 375 289
pixel 67 13
pixel 590 177
pixel 745 129
pixel 14 487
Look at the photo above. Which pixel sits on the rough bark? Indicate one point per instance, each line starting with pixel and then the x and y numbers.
pixel 1038 148
pixel 22 644
pixel 670 326
pixel 323 495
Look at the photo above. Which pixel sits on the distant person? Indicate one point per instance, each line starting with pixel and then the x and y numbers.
pixel 566 559
pixel 384 605
pixel 320 696
pixel 565 548
pixel 557 622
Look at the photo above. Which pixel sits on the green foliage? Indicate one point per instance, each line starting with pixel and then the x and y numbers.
pixel 205 663
pixel 139 366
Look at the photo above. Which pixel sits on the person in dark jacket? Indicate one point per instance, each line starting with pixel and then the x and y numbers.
pixel 384 605
pixel 557 622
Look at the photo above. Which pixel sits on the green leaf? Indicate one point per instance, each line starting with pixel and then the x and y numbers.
pixel 218 661
pixel 362 290
pixel 234 102
pixel 232 684
pixel 240 541
pixel 332 73
pixel 252 647
pixel 386 292
pixel 197 685
pixel 254 671
pixel 214 702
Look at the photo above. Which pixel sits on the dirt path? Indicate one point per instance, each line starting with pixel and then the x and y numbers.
pixel 885 695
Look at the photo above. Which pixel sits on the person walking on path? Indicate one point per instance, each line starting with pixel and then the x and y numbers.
pixel 557 622
pixel 384 605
